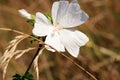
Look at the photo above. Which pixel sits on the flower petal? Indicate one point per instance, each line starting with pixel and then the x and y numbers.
pixel 42 18
pixel 73 40
pixel 58 10
pixel 74 16
pixel 42 26
pixel 54 41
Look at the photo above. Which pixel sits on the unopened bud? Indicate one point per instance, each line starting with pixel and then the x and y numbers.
pixel 25 14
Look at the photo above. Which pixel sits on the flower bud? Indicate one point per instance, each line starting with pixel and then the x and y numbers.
pixel 25 14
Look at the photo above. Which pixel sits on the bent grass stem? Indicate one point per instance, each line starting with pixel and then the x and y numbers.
pixel 42 43
pixel 39 48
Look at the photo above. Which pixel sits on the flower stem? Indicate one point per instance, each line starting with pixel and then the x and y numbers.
pixel 27 71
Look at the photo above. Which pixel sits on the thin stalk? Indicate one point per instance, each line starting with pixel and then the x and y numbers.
pixel 42 43
pixel 39 48
pixel 79 66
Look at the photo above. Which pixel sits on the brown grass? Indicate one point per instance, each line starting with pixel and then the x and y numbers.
pixel 10 52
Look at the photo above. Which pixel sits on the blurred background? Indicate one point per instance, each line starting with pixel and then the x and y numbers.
pixel 101 55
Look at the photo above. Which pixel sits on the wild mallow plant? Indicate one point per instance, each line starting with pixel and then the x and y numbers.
pixel 52 32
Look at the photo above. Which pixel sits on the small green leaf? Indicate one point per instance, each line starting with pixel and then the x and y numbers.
pixel 34 40
pixel 31 21
pixel 29 76
pixel 33 17
pixel 17 77
pixel 49 17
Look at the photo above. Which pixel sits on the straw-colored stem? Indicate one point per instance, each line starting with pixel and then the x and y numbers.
pixel 41 42
pixel 79 66
pixel 27 71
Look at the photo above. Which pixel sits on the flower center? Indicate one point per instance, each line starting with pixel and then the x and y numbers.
pixel 56 28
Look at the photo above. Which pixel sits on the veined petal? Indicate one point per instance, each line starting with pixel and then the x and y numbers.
pixel 42 26
pixel 42 18
pixel 74 16
pixel 54 41
pixel 81 38
pixel 73 40
pixel 58 10
pixel 41 29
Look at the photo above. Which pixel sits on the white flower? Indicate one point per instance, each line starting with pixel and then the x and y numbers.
pixel 59 34
pixel 25 14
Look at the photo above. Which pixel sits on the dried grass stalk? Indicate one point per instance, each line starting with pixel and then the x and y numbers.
pixel 19 32
pixel 10 52
pixel 36 62
pixel 6 58
pixel 19 53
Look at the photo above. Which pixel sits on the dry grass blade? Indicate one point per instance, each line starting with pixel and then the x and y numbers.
pixel 19 32
pixel 10 52
pixel 79 66
pixel 46 66
pixel 114 57
pixel 36 62
pixel 108 52
pixel 41 42
pixel 8 29
pixel 19 53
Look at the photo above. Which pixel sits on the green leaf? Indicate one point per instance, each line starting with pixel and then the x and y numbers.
pixel 34 40
pixel 33 17
pixel 49 17
pixel 29 76
pixel 17 77
pixel 31 21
